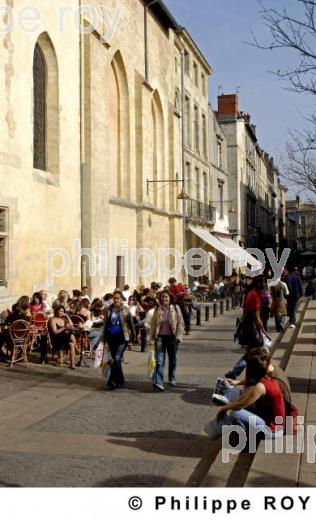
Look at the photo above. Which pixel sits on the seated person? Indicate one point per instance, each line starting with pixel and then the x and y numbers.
pixel 36 305
pixel 62 299
pixel 265 394
pixel 16 314
pixel 60 329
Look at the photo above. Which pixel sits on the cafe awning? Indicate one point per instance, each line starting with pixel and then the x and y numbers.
pixel 244 255
pixel 217 244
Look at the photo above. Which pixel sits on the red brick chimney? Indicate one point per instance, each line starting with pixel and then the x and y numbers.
pixel 228 106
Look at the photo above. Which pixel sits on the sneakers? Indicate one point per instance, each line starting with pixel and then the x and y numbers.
pixel 173 382
pixel 292 326
pixel 159 387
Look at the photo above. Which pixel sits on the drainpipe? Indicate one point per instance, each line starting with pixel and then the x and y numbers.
pixel 82 145
pixel 147 7
pixel 183 159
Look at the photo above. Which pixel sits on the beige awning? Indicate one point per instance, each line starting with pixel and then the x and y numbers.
pixel 217 244
pixel 244 255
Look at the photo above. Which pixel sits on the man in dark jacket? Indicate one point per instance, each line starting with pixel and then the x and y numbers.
pixel 295 286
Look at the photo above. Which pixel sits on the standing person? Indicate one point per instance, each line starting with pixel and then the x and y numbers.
pixel 166 330
pixel 252 326
pixel 295 287
pixel 279 291
pixel 178 293
pixel 265 305
pixel 118 323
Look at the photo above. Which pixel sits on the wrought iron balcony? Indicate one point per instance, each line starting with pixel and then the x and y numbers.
pixel 197 210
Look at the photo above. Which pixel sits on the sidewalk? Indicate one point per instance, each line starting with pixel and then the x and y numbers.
pixel 63 428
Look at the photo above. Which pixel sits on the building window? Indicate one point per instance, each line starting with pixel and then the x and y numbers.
pixel 196 74
pixel 204 188
pixel 3 246
pixel 203 81
pixel 188 120
pixel 221 198
pixel 46 138
pixel 196 129
pixel 188 179
pixel 219 154
pixel 187 63
pixel 177 99
pixel 197 184
pixel 204 130
pixel 39 79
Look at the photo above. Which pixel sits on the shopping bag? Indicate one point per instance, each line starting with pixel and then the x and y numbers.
pixel 98 360
pixel 214 427
pixel 107 363
pixel 151 363
pixel 267 342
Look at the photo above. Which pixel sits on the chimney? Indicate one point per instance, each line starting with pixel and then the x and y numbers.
pixel 228 106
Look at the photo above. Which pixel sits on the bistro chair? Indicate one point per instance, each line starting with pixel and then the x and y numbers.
pixel 38 329
pixel 19 332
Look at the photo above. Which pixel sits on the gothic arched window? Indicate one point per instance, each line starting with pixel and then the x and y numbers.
pixel 39 84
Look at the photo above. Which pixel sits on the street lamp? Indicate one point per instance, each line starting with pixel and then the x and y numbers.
pixel 182 195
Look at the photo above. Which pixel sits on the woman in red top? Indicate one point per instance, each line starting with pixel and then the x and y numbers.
pixel 264 396
pixel 37 304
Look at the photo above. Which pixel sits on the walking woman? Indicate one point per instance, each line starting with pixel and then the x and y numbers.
pixel 166 331
pixel 118 326
pixel 279 291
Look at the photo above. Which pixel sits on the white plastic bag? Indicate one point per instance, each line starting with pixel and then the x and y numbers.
pixel 267 342
pixel 214 427
pixel 98 360
pixel 106 364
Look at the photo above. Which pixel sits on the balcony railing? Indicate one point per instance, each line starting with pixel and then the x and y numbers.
pixel 196 210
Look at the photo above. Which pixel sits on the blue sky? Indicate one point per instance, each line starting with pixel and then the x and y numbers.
pixel 220 28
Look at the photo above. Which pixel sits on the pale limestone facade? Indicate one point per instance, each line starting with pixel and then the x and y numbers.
pixel 132 135
pixel 42 208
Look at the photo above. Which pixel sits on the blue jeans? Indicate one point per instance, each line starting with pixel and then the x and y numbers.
pixel 242 418
pixel 117 351
pixel 165 344
pixel 292 307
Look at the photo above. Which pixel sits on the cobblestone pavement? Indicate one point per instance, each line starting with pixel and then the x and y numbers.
pixel 64 428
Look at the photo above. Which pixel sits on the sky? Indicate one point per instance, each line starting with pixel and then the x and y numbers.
pixel 221 29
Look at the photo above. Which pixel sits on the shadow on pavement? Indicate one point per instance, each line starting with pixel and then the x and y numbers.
pixel 142 481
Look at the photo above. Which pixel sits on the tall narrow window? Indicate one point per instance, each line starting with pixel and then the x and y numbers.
pixel 203 81
pixel 196 74
pixel 188 120
pixel 196 129
pixel 187 63
pixel 188 179
pixel 205 188
pixel 204 130
pixel 39 81
pixel 197 184
pixel 45 106
pixel 221 199
pixel 3 245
